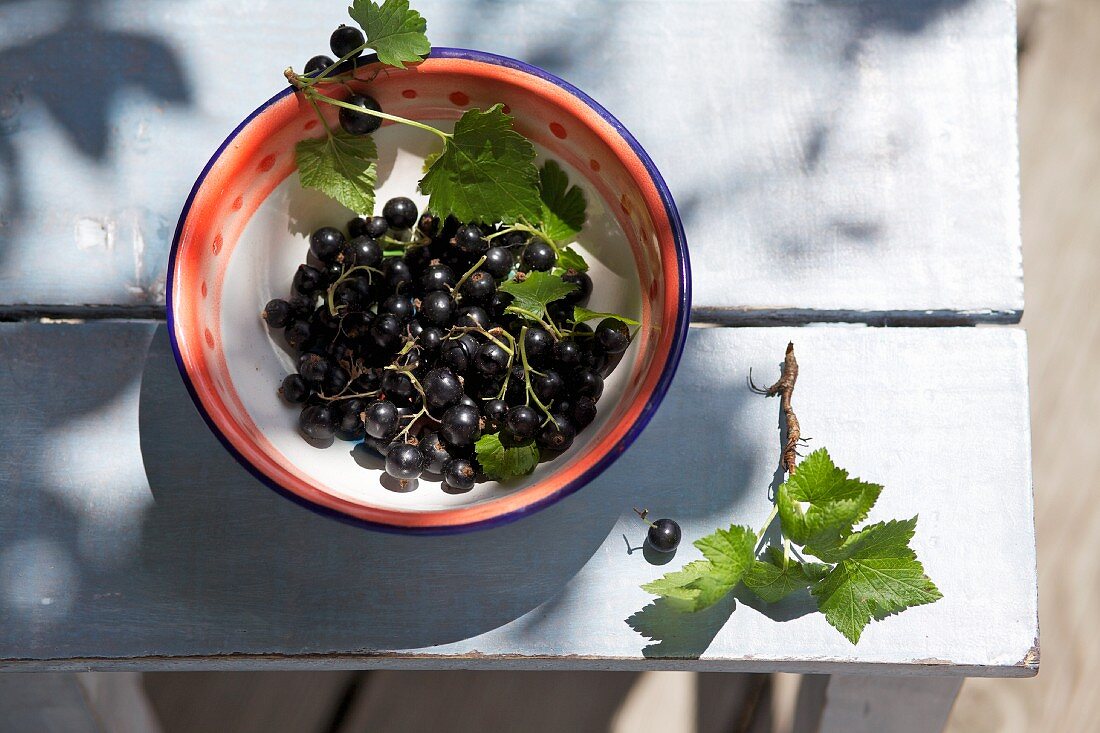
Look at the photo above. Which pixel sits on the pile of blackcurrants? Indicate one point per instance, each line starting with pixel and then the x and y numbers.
pixel 403 341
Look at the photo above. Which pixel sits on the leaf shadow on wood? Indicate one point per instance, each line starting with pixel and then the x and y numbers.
pixel 76 72
pixel 680 635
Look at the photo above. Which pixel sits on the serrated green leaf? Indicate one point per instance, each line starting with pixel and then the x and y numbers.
pixel 563 206
pixel 393 30
pixel 503 463
pixel 881 576
pixel 730 551
pixel 768 578
pixel 486 171
pixel 429 160
pixel 819 503
pixel 537 291
pixel 570 259
pixel 342 166
pixel 583 315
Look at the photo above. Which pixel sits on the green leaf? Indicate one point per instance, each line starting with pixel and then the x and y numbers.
pixel 582 315
pixel 394 30
pixel 819 504
pixel 703 583
pixel 537 291
pixel 881 576
pixel 570 259
pixel 730 551
pixel 563 206
pixel 429 160
pixel 503 463
pixel 772 582
pixel 486 171
pixel 341 165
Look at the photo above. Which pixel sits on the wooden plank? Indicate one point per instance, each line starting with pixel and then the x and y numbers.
pixel 249 702
pixel 832 161
pixel 66 702
pixel 131 539
pixel 860 704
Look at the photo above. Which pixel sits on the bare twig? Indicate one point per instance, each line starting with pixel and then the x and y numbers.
pixel 784 387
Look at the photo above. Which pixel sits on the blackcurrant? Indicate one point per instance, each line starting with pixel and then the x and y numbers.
pixel 461 426
pixel 558 434
pixel 613 335
pixel 522 422
pixel 380 419
pixel 435 452
pixel 326 243
pixel 377 226
pixel 347 297
pixel 349 419
pixel 357 325
pixel 317 422
pixel 396 272
pixel 479 287
pixel 469 239
pixel 664 535
pixel 386 331
pixel 360 123
pixel 580 294
pixel 491 359
pixel 567 354
pixel 539 346
pixel 399 305
pixel 431 338
pixel 437 277
pixel 459 474
pixel 317 64
pixel 583 412
pixel 495 411
pixel 538 255
pixel 313 368
pixel 294 389
pixel 336 381
pixel 357 227
pixel 297 333
pixel 588 383
pixel 364 251
pixel 400 212
pixel 441 389
pixel 277 313
pixel 397 387
pixel 404 461
pixel 307 280
pixel 437 307
pixel 456 356
pixel 498 262
pixel 428 224
pixel 472 316
pixel 345 40
pixel 331 272
pixel 547 385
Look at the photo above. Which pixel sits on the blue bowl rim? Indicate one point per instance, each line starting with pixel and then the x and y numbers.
pixel 648 410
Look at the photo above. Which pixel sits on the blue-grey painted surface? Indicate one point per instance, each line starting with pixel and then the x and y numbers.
pixel 845 156
pixel 127 532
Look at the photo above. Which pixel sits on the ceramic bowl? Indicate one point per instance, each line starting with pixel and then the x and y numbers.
pixel 245 228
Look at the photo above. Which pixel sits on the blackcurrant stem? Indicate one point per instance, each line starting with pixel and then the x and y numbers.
pixel 644 516
pixel 534 317
pixel 320 116
pixel 527 376
pixel 343 396
pixel 314 94
pixel 767 523
pixel 467 274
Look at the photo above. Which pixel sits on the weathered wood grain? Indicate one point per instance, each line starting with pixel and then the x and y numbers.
pixel 833 160
pixel 131 539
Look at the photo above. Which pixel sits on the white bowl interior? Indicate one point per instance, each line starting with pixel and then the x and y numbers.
pixel 275 242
